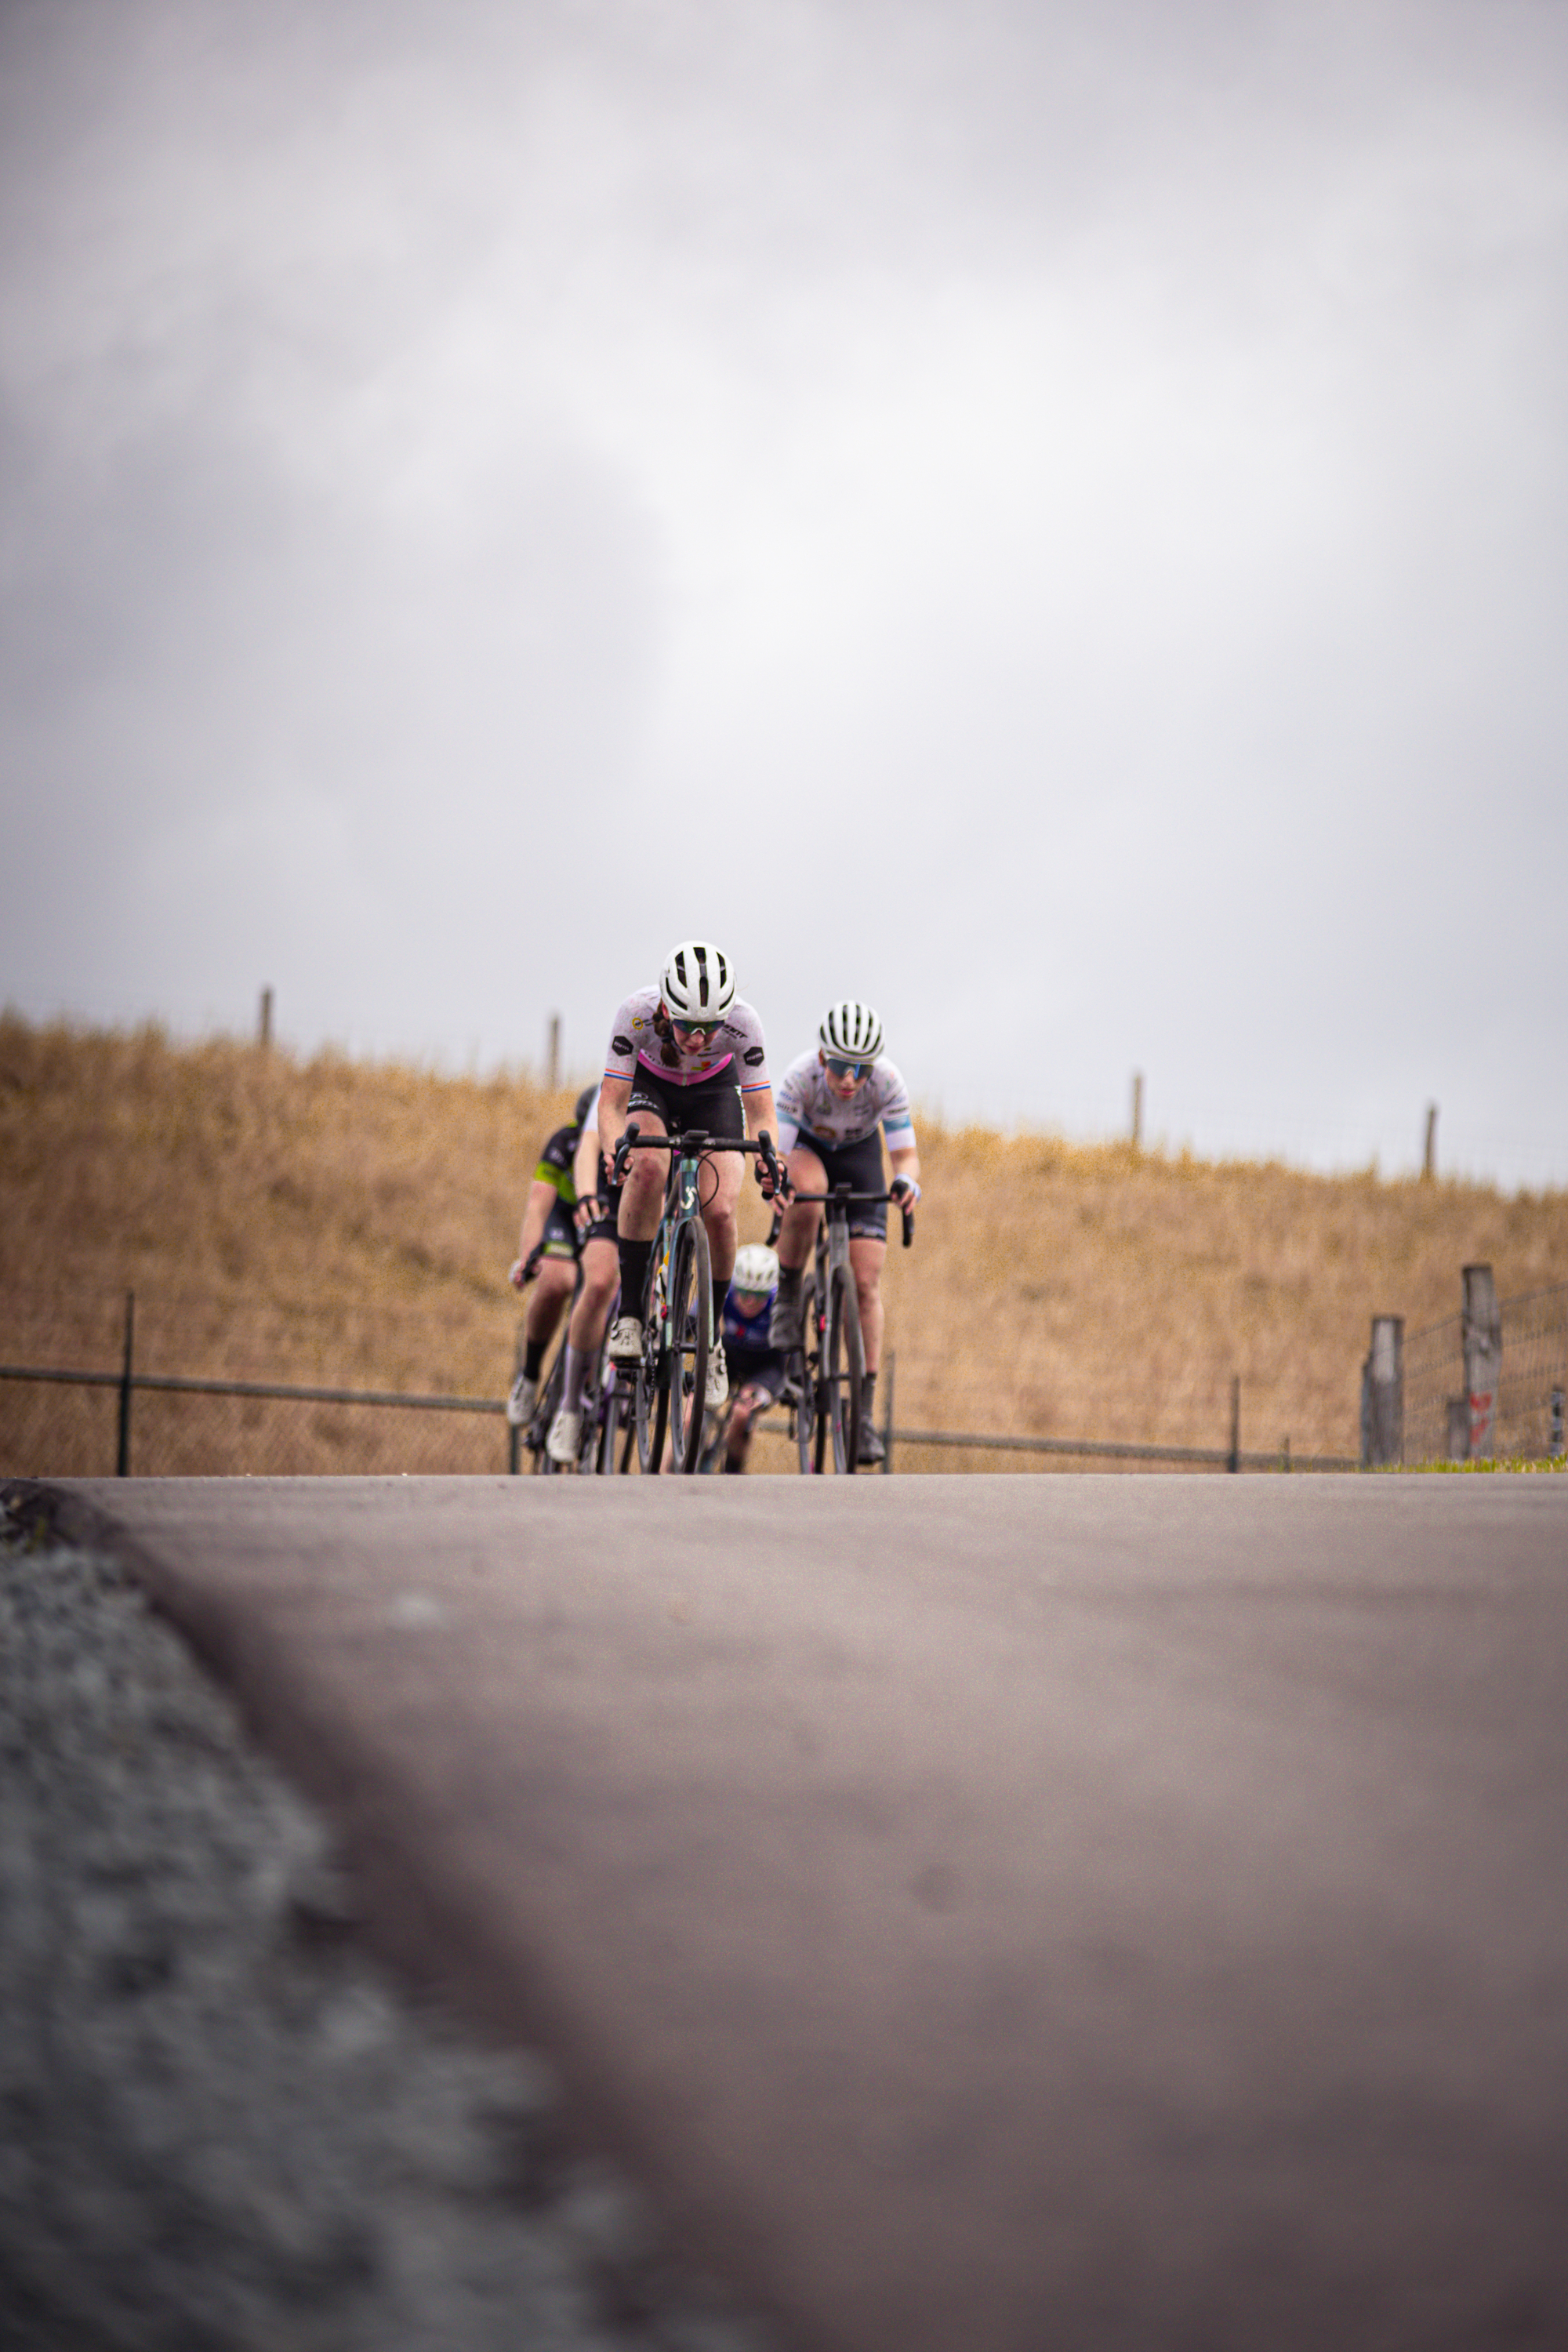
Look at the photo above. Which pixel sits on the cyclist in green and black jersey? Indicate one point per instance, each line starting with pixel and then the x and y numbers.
pixel 550 1238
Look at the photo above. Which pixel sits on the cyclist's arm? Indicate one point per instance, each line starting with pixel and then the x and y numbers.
pixel 761 1114
pixel 542 1199
pixel 906 1161
pixel 615 1096
pixel 586 1177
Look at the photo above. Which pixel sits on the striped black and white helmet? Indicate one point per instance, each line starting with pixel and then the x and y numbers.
pixel 851 1029
pixel 698 982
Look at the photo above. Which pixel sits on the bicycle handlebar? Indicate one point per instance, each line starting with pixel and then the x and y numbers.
pixel 841 1197
pixel 696 1142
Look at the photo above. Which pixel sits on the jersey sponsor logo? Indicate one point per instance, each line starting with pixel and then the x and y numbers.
pixel 752 1056
pixel 623 1044
pixel 637 1023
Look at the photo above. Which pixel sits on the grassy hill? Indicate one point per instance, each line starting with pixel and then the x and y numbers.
pixel 351 1225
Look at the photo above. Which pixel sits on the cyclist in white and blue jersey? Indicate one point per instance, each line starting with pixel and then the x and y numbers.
pixel 757 1369
pixel 831 1105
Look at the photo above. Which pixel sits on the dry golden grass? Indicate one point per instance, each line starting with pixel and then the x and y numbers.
pixel 352 1226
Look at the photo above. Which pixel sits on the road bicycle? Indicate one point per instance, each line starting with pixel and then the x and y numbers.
pixel 604 1402
pixel 677 1304
pixel 826 1375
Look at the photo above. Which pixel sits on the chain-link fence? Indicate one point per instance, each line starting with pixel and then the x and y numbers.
pixel 192 1386
pixel 1530 1379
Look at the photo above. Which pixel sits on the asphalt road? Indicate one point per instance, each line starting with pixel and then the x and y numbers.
pixel 997 1914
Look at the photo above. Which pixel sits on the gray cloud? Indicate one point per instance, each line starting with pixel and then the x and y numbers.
pixel 1052 518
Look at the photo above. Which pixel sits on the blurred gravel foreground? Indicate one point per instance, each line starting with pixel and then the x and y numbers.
pixel 220 2125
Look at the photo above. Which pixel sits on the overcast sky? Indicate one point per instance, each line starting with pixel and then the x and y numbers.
pixel 1050 517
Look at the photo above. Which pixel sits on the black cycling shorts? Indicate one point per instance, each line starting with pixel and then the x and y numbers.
pixel 858 1165
pixel 713 1109
pixel 766 1369
pixel 561 1236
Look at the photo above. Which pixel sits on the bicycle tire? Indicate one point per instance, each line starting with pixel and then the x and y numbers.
pixel 846 1371
pixel 824 1394
pixel 549 1406
pixel 588 1444
pixel 611 1409
pixel 802 1361
pixel 690 1303
pixel 651 1408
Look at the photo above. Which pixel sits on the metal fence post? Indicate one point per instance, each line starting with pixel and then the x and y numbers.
pixel 122 1456
pixel 1481 1326
pixel 887 1413
pixel 1382 1393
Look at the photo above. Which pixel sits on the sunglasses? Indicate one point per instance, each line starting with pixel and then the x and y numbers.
pixel 696 1028
pixel 846 1069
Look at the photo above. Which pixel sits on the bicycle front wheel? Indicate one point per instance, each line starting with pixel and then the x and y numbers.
pixel 803 1370
pixel 611 1406
pixel 690 1311
pixel 846 1370
pixel 652 1406
pixel 549 1406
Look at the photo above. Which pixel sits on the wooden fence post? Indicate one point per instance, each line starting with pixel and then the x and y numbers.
pixel 554 1051
pixel 122 1454
pixel 1481 1324
pixel 887 1413
pixel 1382 1393
pixel 1429 1157
pixel 264 1025
pixel 1554 1436
pixel 1137 1111
pixel 1235 1461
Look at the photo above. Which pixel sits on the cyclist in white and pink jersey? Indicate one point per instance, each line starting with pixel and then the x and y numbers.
pixel 687 1055
pixel 831 1104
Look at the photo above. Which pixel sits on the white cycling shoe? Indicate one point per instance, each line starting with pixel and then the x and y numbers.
pixel 564 1439
pixel 718 1387
pixel 623 1345
pixel 520 1403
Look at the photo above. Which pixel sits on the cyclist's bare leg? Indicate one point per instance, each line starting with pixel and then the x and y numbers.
pixel 798 1231
pixel 642 1194
pixel 548 1294
pixel 743 1413
pixel 719 1192
pixel 866 1256
pixel 601 1274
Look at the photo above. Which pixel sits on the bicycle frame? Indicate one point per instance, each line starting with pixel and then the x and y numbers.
pixel 832 1379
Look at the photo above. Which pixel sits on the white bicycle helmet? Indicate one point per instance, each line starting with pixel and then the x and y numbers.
pixel 698 982
pixel 851 1030
pixel 756 1268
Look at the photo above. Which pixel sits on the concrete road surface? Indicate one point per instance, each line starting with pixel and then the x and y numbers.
pixel 994 1914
